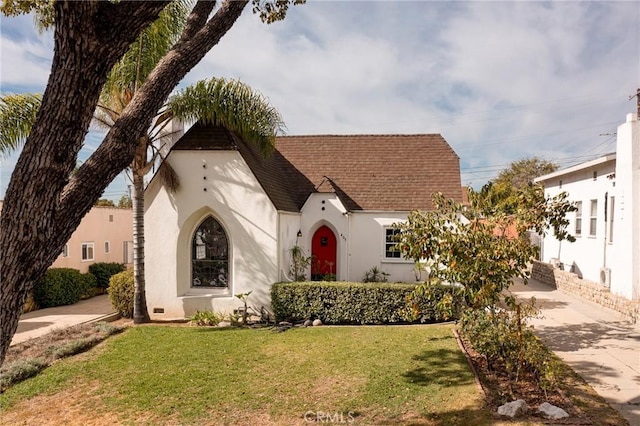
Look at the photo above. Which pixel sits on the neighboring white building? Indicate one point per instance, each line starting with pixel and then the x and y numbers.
pixel 607 223
pixel 229 227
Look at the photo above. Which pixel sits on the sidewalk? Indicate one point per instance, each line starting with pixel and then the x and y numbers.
pixel 37 323
pixel 595 341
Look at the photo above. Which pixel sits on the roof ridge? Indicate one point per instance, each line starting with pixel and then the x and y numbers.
pixel 398 135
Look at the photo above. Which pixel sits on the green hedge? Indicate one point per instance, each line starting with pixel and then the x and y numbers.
pixel 103 272
pixel 61 286
pixel 356 303
pixel 121 289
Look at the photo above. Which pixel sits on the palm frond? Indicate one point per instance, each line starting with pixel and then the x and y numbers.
pixel 158 129
pixel 104 118
pixel 231 104
pixel 168 176
pixel 17 115
pixel 144 54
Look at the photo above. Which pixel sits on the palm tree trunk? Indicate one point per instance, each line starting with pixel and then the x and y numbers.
pixel 140 312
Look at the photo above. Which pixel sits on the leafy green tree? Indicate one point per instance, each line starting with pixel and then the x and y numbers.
pixel 478 256
pixel 467 254
pixel 512 189
pixel 44 202
pixel 521 173
pixel 125 202
pixel 104 202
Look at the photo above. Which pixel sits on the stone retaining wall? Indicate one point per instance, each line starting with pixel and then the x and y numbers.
pixel 571 283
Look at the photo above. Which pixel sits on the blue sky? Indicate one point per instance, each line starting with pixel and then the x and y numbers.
pixel 500 81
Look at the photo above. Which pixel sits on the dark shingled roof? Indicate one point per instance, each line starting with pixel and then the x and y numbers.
pixel 367 172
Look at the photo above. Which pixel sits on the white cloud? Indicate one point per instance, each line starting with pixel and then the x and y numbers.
pixel 499 80
pixel 25 56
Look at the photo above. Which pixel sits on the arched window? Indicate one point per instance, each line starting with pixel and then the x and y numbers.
pixel 210 255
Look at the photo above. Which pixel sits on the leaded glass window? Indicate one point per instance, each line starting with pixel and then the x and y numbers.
pixel 210 255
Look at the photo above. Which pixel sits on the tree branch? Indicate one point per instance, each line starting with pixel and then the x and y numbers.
pixel 79 69
pixel 197 19
pixel 117 149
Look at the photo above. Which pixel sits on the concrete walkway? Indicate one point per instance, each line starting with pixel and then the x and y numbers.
pixel 597 342
pixel 37 323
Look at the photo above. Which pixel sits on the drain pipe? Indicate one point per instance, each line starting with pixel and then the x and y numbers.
pixel 604 248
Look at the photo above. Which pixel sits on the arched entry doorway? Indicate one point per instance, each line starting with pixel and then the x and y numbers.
pixel 323 252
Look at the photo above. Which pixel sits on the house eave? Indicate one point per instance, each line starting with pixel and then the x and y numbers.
pixel 576 168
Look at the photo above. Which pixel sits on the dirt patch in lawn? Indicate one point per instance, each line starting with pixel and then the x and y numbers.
pixel 71 406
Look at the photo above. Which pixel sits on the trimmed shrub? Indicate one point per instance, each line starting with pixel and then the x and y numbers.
pixel 356 303
pixel 60 286
pixel 90 284
pixel 120 291
pixel 103 272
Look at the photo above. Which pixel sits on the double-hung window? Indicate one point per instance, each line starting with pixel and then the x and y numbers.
pixel 593 218
pixel 390 252
pixel 578 218
pixel 87 251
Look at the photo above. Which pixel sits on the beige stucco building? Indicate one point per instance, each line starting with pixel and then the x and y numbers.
pixel 105 234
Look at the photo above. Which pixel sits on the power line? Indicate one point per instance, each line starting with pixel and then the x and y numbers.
pixel 498 167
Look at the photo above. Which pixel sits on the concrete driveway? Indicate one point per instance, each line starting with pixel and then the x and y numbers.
pixel 36 323
pixel 597 342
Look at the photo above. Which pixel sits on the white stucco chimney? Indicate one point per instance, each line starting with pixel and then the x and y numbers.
pixel 626 274
pixel 174 131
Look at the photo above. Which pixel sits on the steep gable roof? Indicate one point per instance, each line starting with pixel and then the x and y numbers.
pixel 377 172
pixel 367 172
pixel 267 170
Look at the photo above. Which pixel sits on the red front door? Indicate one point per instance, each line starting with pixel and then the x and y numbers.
pixel 323 250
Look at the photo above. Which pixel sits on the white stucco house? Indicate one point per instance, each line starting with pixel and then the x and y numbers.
pixel 607 223
pixel 229 227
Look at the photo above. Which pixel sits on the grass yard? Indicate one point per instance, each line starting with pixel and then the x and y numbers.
pixel 188 375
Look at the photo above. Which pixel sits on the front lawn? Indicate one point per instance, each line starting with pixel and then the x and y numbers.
pixel 187 375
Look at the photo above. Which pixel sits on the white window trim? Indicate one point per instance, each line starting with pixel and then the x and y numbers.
pixel 93 251
pixel 107 247
pixel 580 216
pixel 386 259
pixel 65 251
pixel 593 230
